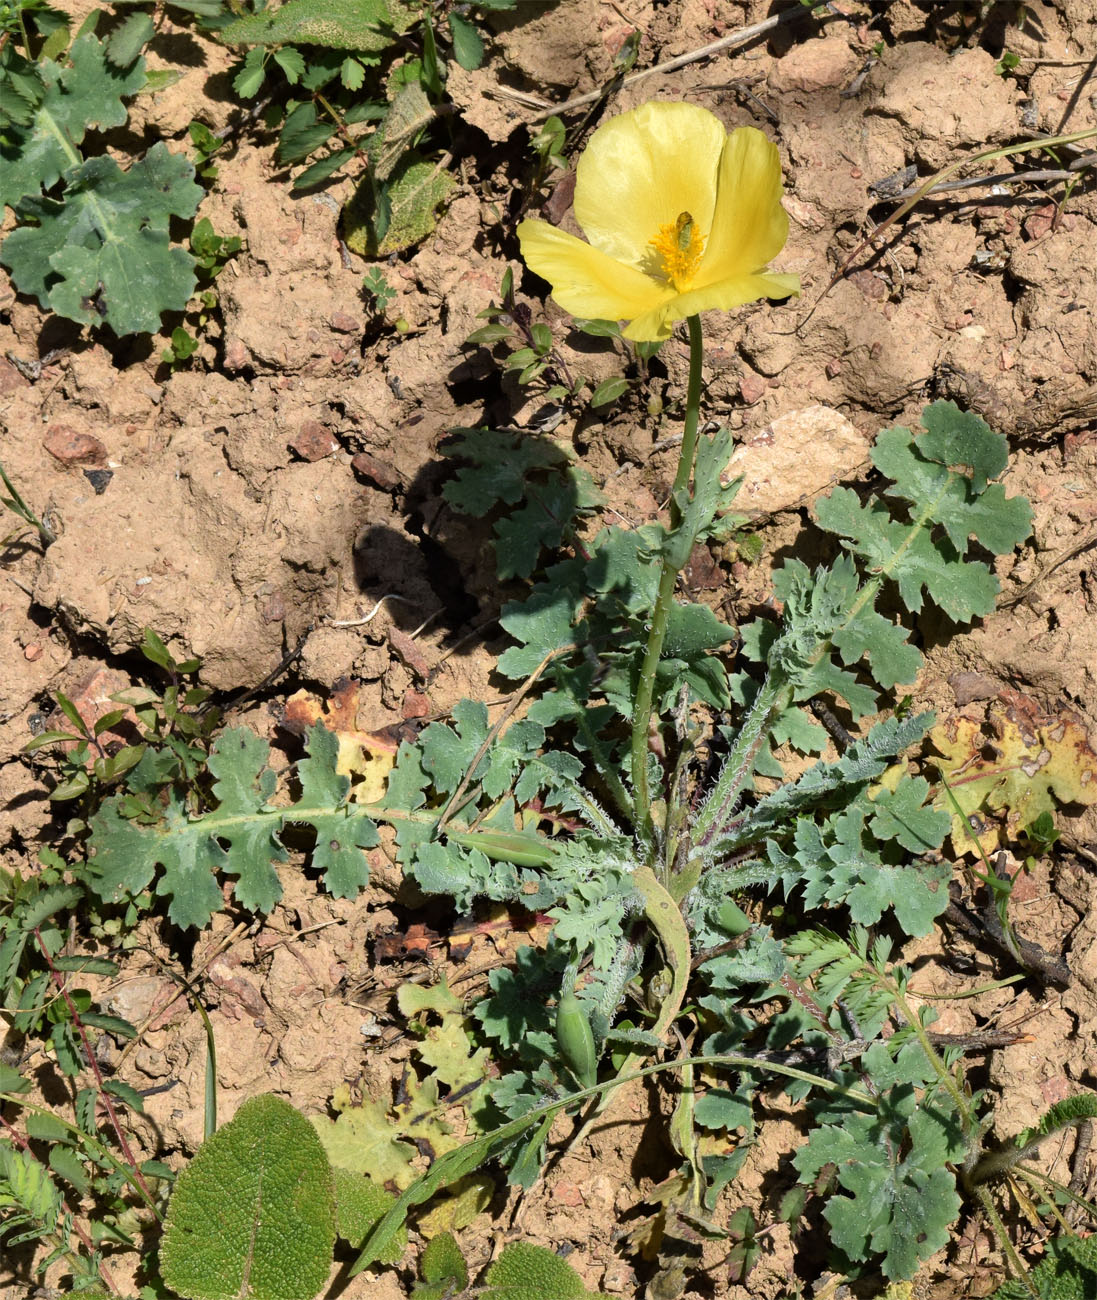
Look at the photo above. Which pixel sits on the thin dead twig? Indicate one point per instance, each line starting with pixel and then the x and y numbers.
pixel 740 37
pixel 1068 554
pixel 1005 178
pixel 934 182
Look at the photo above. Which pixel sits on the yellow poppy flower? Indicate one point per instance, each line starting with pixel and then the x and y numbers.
pixel 681 217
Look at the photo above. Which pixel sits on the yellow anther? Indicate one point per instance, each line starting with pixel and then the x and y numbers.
pixel 680 245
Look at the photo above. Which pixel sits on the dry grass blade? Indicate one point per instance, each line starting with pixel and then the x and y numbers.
pixel 1025 146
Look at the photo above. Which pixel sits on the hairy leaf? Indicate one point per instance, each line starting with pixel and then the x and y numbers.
pixel 528 1272
pixel 360 25
pixel 254 1211
pixel 412 195
pixel 359 1204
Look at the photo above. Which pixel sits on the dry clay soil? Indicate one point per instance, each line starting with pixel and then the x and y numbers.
pixel 289 478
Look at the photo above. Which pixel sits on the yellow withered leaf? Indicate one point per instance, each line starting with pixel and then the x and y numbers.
pixel 1007 771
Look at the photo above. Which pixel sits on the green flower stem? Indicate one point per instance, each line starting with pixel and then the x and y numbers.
pixel 693 410
pixel 664 601
pixel 962 1104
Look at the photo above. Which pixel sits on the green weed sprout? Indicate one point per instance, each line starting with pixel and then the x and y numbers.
pixel 15 503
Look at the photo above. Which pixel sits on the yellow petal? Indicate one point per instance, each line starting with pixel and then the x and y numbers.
pixel 658 323
pixel 655 326
pixel 641 170
pixel 585 282
pixel 749 226
pixel 733 292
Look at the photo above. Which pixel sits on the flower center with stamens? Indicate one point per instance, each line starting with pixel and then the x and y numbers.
pixel 679 245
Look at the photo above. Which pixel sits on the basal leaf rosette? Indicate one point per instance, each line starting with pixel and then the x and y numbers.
pixel 680 217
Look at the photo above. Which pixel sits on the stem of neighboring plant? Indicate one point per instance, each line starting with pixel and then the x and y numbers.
pixel 944 1074
pixel 664 601
pixel 108 1281
pixel 104 1096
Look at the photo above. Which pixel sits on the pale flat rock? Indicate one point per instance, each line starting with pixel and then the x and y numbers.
pixel 794 458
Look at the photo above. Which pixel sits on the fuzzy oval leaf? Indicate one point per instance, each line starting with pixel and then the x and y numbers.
pixel 361 1203
pixel 415 190
pixel 362 25
pixel 254 1212
pixel 527 1272
pixel 609 390
pixel 468 45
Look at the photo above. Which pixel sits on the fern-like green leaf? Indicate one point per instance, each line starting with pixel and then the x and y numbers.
pixel 1068 1272
pixel 124 854
pixel 1071 1110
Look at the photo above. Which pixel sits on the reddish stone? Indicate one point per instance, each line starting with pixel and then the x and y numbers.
pixel 752 388
pixel 91 696
pixel 32 652
pixel 409 652
pixel 870 285
pixel 416 704
pixel 10 378
pixel 1047 220
pixel 567 1194
pixel 313 441
pixel 237 357
pixel 379 472
pixel 71 447
pixel 345 324
pixel 1058 1088
pixel 274 611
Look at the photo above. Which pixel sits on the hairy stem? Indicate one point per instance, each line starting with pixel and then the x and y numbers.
pixel 772 699
pixel 645 693
pixel 1007 1246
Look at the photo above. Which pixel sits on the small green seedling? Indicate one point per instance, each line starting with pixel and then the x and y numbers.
pixel 15 503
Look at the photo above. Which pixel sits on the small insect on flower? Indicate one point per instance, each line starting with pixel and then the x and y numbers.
pixel 680 218
pixel 683 228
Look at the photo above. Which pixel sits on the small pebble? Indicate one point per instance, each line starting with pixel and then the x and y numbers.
pixel 72 446
pixel 313 441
